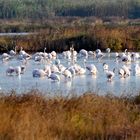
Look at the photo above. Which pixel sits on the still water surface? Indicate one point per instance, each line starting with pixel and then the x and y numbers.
pixel 78 85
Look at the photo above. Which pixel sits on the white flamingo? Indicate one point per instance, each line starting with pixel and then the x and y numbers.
pixel 136 69
pixel 10 70
pixel 20 69
pixel 67 74
pixel 61 68
pixel 105 66
pixel 73 52
pixel 99 54
pixel 17 70
pixel 54 69
pixel 39 73
pixel 108 50
pixel 43 54
pixel 38 58
pixel 54 77
pixel 126 70
pixel 81 71
pixel 57 62
pixel 91 53
pixel 125 51
pixel 83 53
pixel 98 51
pixel 110 75
pixel 135 56
pixel 72 70
pixel 13 52
pixel 121 72
pixel 50 57
pixel 23 55
pixel 5 57
pixel 126 58
pixel 53 53
pixel 67 54
pixel 92 69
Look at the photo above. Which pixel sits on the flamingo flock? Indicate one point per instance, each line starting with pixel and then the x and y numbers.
pixel 55 69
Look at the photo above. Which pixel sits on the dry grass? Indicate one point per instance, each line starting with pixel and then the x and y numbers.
pixel 33 116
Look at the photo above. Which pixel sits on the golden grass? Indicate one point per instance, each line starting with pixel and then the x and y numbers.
pixel 33 116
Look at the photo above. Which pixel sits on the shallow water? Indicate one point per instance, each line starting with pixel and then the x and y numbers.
pixel 78 85
pixel 16 34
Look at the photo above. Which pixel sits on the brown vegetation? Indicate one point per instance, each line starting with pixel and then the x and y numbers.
pixel 33 116
pixel 89 37
pixel 60 33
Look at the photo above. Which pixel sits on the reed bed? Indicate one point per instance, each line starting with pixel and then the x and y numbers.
pixel 33 116
pixel 84 37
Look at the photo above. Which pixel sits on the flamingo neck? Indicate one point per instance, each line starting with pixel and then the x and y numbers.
pixel 15 49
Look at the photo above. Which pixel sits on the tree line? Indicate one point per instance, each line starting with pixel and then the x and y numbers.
pixel 41 9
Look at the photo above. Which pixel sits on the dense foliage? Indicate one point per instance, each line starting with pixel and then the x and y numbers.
pixel 40 9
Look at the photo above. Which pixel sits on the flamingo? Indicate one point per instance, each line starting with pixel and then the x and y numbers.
pixel 49 56
pixel 126 58
pixel 67 74
pixel 39 73
pixel 81 71
pixel 23 68
pixel 5 57
pixel 38 58
pixel 117 56
pixel 72 70
pixel 135 56
pixel 53 53
pixel 99 54
pixel 83 53
pixel 126 70
pixel 121 72
pixel 91 53
pixel 47 67
pixel 73 52
pixel 136 69
pixel 61 68
pixel 92 69
pixel 98 51
pixel 108 50
pixel 55 69
pixel 110 75
pixel 54 77
pixel 67 54
pixel 13 52
pixel 44 54
pixel 125 51
pixel 10 70
pixel 105 66
pixel 23 55
pixel 18 70
pixel 57 62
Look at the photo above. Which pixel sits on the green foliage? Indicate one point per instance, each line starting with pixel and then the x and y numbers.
pixel 41 9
